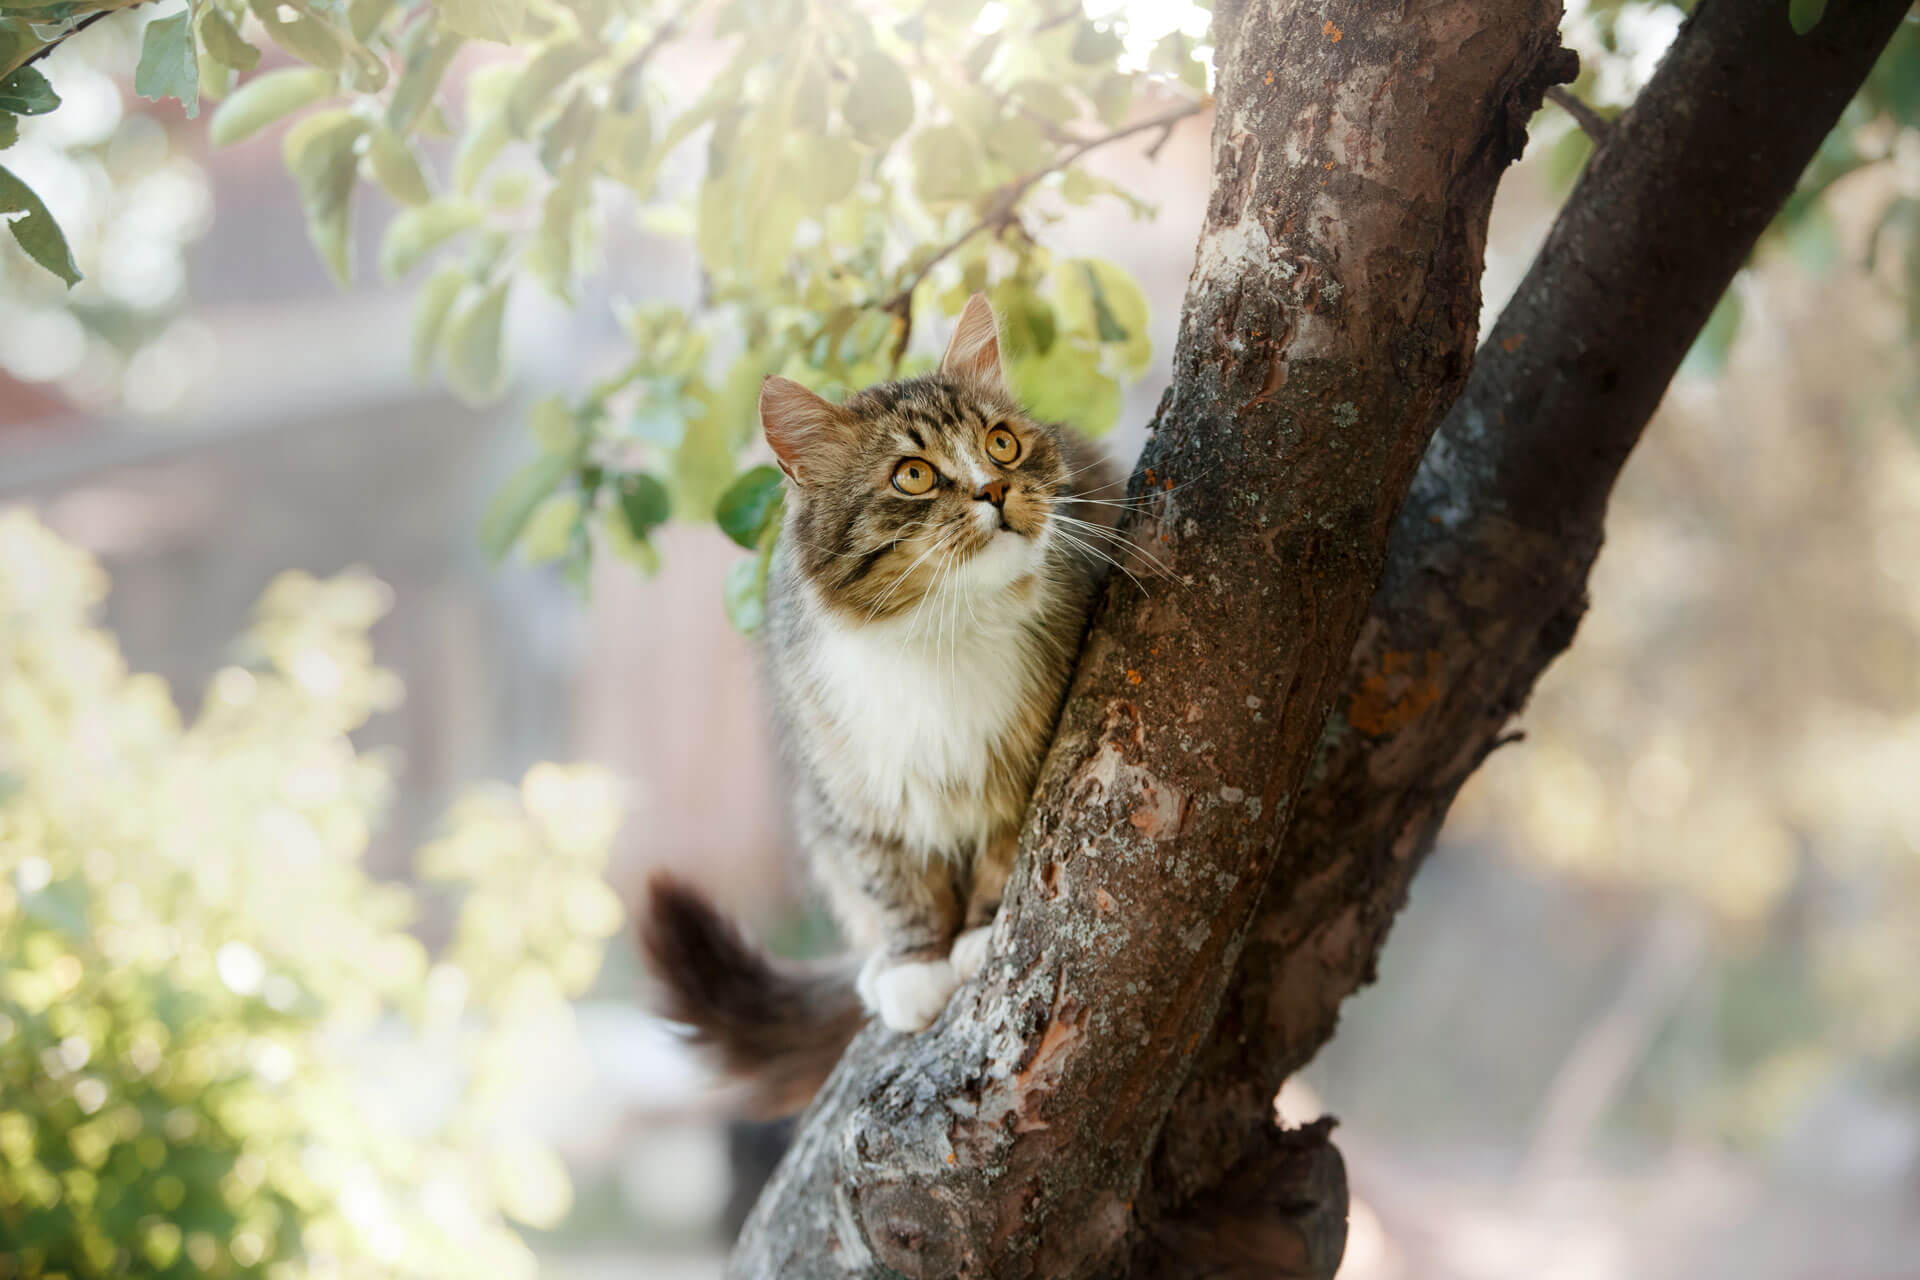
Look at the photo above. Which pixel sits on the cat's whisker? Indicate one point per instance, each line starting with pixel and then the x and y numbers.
pixel 1096 553
pixel 1119 541
pixel 898 582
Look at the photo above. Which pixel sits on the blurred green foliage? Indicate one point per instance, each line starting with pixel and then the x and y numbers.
pixel 212 1020
pixel 841 173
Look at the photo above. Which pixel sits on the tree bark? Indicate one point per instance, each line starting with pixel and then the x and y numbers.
pixel 1329 321
pixel 1486 576
pixel 1009 1140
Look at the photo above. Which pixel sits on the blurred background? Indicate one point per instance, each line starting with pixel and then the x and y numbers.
pixel 1654 1009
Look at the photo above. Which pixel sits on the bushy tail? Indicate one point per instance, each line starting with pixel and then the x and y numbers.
pixel 779 1029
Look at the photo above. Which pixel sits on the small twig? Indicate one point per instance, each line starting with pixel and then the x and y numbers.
pixel 999 213
pixel 76 29
pixel 1591 122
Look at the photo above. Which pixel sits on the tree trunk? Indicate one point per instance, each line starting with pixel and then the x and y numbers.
pixel 1486 577
pixel 1100 1100
pixel 1329 321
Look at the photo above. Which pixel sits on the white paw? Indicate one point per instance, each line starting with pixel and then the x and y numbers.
pixel 907 994
pixel 969 954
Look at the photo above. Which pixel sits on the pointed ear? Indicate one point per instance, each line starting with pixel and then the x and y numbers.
pixel 973 354
pixel 804 429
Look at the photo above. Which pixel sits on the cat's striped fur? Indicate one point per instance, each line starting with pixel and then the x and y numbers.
pixel 918 646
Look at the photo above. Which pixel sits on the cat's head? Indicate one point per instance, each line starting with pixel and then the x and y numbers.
pixel 933 486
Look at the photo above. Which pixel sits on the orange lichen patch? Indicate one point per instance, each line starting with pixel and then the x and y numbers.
pixel 952 1158
pixel 1133 677
pixel 1331 32
pixel 1512 344
pixel 1269 77
pixel 1149 475
pixel 1104 900
pixel 1396 694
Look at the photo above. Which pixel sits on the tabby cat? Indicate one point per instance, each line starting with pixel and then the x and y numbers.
pixel 926 600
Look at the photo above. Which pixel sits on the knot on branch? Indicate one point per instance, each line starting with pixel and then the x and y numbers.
pixel 1556 65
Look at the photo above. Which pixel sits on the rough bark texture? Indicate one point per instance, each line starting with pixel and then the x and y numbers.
pixel 1010 1140
pixel 1486 577
pixel 1329 321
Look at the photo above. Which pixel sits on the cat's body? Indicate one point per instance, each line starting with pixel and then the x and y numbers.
pixel 926 602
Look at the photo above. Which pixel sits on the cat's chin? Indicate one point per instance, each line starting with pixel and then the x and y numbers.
pixel 1004 559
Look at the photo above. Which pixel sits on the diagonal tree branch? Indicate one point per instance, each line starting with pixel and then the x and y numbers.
pixel 1329 321
pixel 1486 579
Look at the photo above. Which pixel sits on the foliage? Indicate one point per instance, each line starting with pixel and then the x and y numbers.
pixel 124 199
pixel 212 1020
pixel 841 172
pixel 1878 137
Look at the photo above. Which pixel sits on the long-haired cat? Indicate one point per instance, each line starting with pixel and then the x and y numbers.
pixel 927 598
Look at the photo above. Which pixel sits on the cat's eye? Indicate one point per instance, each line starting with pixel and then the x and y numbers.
pixel 1002 445
pixel 913 477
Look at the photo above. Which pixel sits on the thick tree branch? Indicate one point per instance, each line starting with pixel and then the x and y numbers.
pixel 1486 579
pixel 1329 320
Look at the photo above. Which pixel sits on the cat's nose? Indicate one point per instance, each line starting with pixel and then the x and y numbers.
pixel 994 491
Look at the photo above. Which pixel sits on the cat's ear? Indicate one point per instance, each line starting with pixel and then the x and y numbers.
pixel 806 431
pixel 973 354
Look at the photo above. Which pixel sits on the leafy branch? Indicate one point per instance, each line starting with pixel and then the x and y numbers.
pixel 1002 205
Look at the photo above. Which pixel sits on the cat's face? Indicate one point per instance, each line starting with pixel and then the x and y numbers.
pixel 935 489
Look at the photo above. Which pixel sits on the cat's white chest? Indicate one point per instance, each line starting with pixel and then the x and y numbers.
pixel 914 712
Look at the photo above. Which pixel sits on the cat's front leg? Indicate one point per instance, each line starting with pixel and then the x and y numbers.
pixel 905 905
pixel 992 868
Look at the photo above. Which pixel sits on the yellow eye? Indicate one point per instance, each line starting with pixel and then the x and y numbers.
pixel 913 477
pixel 1002 445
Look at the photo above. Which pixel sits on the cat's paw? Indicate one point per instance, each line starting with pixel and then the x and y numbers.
pixel 907 994
pixel 969 954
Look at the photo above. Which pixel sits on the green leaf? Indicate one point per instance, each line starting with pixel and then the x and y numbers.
pixel 36 230
pixel 1093 46
pixel 556 428
pixel 496 20
pixel 1067 385
pixel 430 315
pixel 750 504
pixel 395 167
pixel 644 503
pixel 9 130
pixel 25 92
pixel 619 539
pixel 483 141
pixel 169 66
pixel 419 231
pixel 320 153
pixel 475 370
pixel 223 40
pixel 264 99
pixel 535 87
pixel 303 36
pixel 746 587
pixel 507 515
pixel 365 16
pixel 1101 299
pixel 427 55
pixel 549 528
pixel 946 165
pixel 824 170
pixel 1805 15
pixel 879 106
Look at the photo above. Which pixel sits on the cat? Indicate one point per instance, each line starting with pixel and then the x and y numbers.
pixel 926 600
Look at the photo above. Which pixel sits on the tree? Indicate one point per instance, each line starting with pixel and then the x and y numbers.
pixel 1363 610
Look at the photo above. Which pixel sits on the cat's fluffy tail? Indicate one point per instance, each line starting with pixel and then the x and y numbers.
pixel 779 1029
